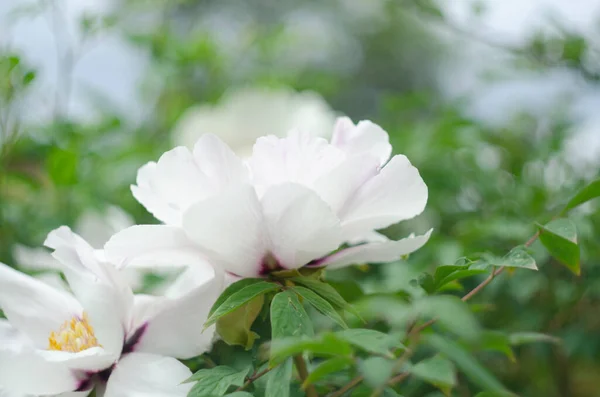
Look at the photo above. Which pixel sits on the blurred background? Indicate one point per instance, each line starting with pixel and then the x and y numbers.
pixel 495 102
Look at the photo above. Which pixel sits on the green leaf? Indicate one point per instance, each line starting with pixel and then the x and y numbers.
pixel 239 394
pixel 588 193
pixel 288 317
pixel 62 167
pixel 28 77
pixel 466 363
pixel 327 292
pixel 326 345
pixel 370 340
pixel 327 367
pixel 215 381
pixel 517 257
pixel 522 338
pixel 234 327
pixel 233 288
pixel 560 239
pixel 240 298
pixel 497 341
pixel 450 312
pixel 437 370
pixel 376 370
pixel 320 304
pixel 279 379
pixel 455 275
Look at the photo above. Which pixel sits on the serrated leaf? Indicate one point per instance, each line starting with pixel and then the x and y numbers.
pixel 279 379
pixel 320 304
pixel 376 370
pixel 560 239
pixel 240 298
pixel 517 257
pixel 466 363
pixel 328 292
pixel 288 317
pixel 522 338
pixel 589 192
pixel 437 370
pixel 233 288
pixel 370 340
pixel 326 345
pixel 327 367
pixel 215 381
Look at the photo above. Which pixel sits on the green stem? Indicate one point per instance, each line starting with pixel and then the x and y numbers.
pixel 303 372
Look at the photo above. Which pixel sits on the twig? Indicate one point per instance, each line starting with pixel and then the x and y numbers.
pixel 253 378
pixel 303 372
pixel 350 385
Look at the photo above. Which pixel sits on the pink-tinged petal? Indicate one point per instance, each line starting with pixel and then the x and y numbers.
pixel 33 307
pixel 152 246
pixel 24 371
pixel 219 163
pixel 148 375
pixel 397 193
pixel 229 229
pixel 299 158
pixel 365 137
pixel 301 226
pixel 339 185
pixel 175 329
pixel 378 252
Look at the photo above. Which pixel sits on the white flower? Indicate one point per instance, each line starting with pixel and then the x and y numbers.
pixel 246 114
pixel 292 204
pixel 101 334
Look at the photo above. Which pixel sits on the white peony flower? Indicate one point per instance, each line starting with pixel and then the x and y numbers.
pixel 101 334
pixel 293 203
pixel 246 114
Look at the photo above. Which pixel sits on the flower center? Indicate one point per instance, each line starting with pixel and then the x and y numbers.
pixel 73 336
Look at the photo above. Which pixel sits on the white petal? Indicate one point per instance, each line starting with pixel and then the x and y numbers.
pixel 365 137
pixel 33 307
pixel 96 227
pixel 11 338
pixel 145 194
pixel 379 252
pixel 34 258
pixel 175 330
pixel 24 371
pixel 148 375
pixel 299 158
pixel 7 393
pixel 229 229
pixel 337 187
pixel 93 359
pixel 152 246
pixel 397 193
pixel 301 226
pixel 219 163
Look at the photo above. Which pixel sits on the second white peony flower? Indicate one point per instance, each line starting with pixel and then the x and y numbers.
pixel 295 202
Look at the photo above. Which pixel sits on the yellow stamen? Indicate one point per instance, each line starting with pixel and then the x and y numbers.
pixel 74 335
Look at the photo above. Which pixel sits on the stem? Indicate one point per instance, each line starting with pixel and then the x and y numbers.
pixel 253 378
pixel 303 372
pixel 354 382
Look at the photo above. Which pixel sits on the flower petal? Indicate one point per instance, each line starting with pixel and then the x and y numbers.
pixel 103 292
pixel 148 375
pixel 175 330
pixel 152 246
pixel 10 337
pixel 397 193
pixel 24 371
pixel 301 226
pixel 365 137
pixel 229 229
pixel 378 252
pixel 33 307
pixel 219 163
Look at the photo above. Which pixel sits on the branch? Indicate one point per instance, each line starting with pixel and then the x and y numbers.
pixel 303 372
pixel 254 377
